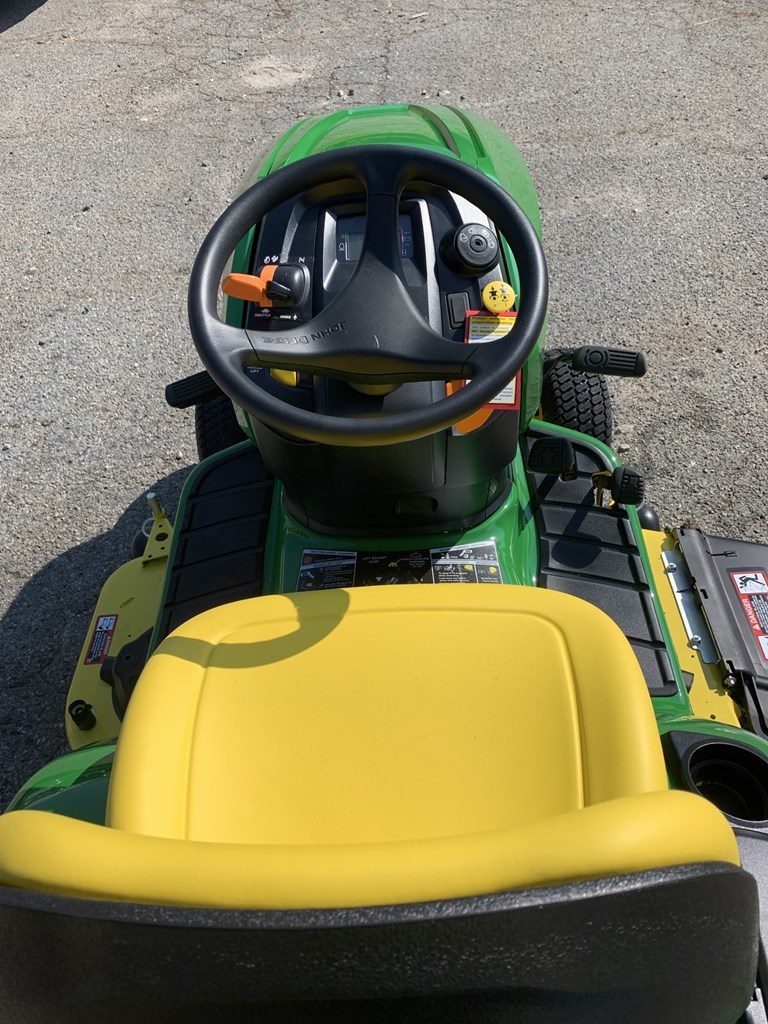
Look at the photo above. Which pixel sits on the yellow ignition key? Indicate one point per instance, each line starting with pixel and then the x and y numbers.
pixel 498 297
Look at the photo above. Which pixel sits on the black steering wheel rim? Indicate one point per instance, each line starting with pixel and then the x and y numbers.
pixel 383 171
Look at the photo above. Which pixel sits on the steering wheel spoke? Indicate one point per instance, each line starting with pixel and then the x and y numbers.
pixel 387 174
pixel 233 344
pixel 483 358
pixel 363 350
pixel 380 243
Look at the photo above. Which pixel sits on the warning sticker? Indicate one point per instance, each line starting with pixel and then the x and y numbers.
pixel 326 570
pixel 750 581
pixel 484 327
pixel 752 587
pixel 382 568
pixel 101 641
pixel 475 563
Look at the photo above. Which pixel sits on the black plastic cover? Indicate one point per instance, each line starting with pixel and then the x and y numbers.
pixel 753 850
pixel 731 580
pixel 677 945
pixel 127 666
pixel 447 481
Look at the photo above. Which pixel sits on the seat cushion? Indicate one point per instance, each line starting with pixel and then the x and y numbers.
pixel 383 714
pixel 377 746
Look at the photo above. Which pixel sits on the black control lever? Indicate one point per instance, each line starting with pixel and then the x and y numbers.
pixel 625 485
pixel 194 390
pixel 613 362
pixel 553 455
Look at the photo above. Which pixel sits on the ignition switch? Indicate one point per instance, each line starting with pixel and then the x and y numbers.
pixel 288 286
pixel 470 250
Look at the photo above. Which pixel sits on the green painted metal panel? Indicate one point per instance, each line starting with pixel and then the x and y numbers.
pixel 75 785
pixel 511 528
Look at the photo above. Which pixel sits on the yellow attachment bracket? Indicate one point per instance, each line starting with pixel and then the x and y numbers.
pixel 160 532
pixel 708 697
pixel 601 483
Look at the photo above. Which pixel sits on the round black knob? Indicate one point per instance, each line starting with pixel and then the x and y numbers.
pixel 82 714
pixel 470 250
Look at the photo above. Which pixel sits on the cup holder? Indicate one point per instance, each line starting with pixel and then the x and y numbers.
pixel 732 777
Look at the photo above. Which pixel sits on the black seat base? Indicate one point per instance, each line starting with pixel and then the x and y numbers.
pixel 678 945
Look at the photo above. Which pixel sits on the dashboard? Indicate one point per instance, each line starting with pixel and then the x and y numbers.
pixel 324 233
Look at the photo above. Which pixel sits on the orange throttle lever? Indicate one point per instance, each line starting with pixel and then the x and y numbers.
pixel 282 285
pixel 248 287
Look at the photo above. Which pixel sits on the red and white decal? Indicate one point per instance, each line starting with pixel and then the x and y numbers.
pixel 752 588
pixel 101 641
pixel 482 327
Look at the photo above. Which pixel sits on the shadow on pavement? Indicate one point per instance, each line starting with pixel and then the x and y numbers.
pixel 41 636
pixel 14 11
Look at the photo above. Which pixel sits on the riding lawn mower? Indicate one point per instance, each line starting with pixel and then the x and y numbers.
pixel 414 712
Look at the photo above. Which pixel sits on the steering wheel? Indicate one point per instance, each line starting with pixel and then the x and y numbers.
pixel 371 332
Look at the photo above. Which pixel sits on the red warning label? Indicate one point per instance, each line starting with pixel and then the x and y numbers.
pixel 752 587
pixel 481 328
pixel 101 641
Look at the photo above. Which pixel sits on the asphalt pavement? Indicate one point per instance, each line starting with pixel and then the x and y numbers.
pixel 125 128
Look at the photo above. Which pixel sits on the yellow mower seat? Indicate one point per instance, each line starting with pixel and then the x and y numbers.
pixel 373 746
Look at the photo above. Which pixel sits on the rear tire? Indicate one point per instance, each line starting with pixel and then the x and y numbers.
pixel 216 426
pixel 579 401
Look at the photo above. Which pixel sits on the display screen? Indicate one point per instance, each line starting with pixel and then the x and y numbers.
pixel 350 232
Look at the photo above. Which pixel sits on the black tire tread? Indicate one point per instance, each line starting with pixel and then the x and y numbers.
pixel 579 401
pixel 216 426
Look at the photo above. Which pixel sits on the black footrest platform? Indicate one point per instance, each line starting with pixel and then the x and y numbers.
pixel 591 552
pixel 219 554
